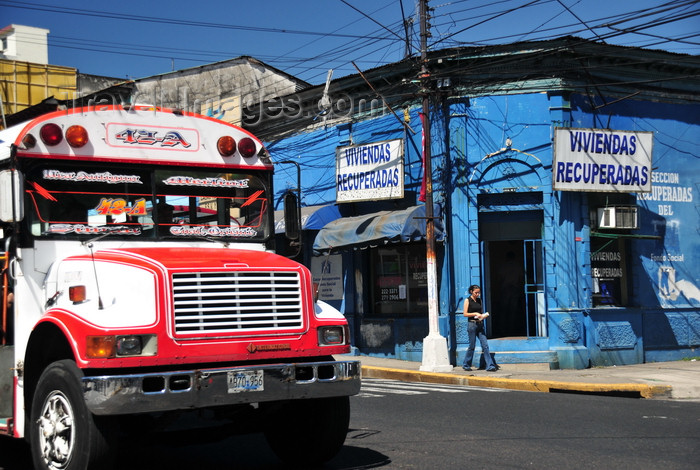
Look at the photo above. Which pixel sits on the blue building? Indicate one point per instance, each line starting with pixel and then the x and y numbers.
pixel 566 177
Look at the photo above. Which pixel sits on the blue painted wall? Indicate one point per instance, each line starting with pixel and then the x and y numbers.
pixel 470 157
pixel 315 152
pixel 665 315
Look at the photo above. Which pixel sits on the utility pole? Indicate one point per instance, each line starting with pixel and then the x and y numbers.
pixel 434 345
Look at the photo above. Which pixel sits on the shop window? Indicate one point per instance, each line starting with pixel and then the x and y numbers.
pixel 399 280
pixel 609 272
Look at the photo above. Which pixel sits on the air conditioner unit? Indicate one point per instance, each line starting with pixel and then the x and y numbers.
pixel 624 217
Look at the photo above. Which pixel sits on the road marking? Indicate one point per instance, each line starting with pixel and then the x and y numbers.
pixel 419 386
pixel 379 387
pixel 393 390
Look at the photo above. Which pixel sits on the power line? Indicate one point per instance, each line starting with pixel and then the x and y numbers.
pixel 490 18
pixel 372 19
pixel 370 52
pixel 579 20
pixel 367 39
pixel 173 21
pixel 603 23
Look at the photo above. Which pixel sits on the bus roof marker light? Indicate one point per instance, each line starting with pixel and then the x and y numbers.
pixel 246 147
pixel 264 156
pixel 51 134
pixel 226 146
pixel 76 136
pixel 29 142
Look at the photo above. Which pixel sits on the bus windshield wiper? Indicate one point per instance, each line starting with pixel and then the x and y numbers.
pixel 107 232
pixel 213 240
pixel 196 237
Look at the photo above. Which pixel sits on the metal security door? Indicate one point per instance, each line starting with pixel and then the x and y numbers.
pixel 535 308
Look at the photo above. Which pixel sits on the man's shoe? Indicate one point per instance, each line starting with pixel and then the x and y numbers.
pixel 468 369
pixel 493 369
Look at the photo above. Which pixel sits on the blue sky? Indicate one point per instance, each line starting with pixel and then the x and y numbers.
pixel 134 39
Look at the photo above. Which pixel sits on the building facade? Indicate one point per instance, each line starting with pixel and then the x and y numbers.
pixel 24 44
pixel 29 85
pixel 224 90
pixel 26 78
pixel 565 178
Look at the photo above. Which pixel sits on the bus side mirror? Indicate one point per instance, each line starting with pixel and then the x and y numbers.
pixel 11 196
pixel 292 224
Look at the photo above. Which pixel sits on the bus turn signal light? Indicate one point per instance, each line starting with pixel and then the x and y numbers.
pixel 111 346
pixel 226 146
pixel 77 294
pixel 100 347
pixel 76 136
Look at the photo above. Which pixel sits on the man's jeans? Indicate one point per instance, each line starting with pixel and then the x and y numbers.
pixel 477 329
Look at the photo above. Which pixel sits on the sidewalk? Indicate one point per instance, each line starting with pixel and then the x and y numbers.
pixel 676 380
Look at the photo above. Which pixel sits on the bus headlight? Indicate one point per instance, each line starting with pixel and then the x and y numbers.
pixel 331 335
pixel 110 346
pixel 129 345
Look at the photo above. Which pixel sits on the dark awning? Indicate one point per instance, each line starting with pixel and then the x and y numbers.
pixel 378 228
pixel 312 217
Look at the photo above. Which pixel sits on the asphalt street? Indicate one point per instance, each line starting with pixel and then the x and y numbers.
pixel 403 425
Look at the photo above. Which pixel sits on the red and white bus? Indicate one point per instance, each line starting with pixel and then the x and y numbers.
pixel 139 279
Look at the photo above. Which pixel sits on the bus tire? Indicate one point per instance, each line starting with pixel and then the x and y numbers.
pixel 308 432
pixel 63 433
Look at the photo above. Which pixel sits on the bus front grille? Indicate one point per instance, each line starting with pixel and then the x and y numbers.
pixel 234 302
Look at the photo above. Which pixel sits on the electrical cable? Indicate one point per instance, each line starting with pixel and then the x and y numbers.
pixel 322 62
pixel 345 49
pixel 172 21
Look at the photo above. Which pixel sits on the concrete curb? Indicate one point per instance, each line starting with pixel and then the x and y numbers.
pixel 530 385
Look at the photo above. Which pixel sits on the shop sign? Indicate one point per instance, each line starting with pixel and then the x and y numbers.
pixel 327 271
pixel 369 172
pixel 602 160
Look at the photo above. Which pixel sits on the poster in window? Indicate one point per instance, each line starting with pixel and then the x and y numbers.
pixel 607 270
pixel 327 271
pixel 400 284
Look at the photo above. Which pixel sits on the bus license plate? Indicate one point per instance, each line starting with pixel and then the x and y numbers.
pixel 246 381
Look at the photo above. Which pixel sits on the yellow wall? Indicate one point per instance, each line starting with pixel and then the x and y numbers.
pixel 225 109
pixel 24 84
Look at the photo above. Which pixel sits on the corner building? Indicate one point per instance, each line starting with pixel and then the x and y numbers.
pixel 566 179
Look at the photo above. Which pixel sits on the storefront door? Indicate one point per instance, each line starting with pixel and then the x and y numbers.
pixel 515 288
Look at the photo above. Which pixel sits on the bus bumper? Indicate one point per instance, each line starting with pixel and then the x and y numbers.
pixel 202 388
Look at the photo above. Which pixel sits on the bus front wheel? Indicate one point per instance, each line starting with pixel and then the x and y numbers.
pixel 63 433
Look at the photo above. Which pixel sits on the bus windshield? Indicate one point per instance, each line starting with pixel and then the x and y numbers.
pixel 67 201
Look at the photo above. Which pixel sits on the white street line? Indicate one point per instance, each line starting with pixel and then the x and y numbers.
pixel 393 390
